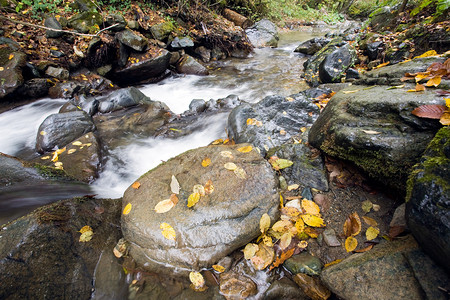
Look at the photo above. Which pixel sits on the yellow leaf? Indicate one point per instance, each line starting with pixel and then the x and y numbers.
pixel 2 69
pixel 435 81
pixel 263 257
pixel 127 209
pixel 45 157
pixel 293 187
pixel 302 244
pixel 245 149
pixel 300 225
pixel 218 268
pixel 332 263
pixel 167 231
pixel 77 143
pixel 310 207
pixel 303 129
pixel 312 232
pixel 174 185
pixel 350 92
pixel 230 166
pixel 282 225
pixel 200 189
pixel 382 65
pixel 11 56
pixel 226 154
pixel 85 228
pixel 197 279
pixel 59 165
pixel 250 250
pixel 193 199
pixel 267 240
pixel 136 185
pixel 281 201
pixel 240 173
pixel 427 54
pixel 350 244
pixel 86 236
pixel 282 132
pixel 217 142
pixel 445 119
pixel 366 206
pixel 42 133
pixel 71 151
pixel 285 240
pixel 352 225
pixel 369 221
pixel 163 206
pixel 313 221
pixel 421 75
pixel 447 102
pixel 290 99
pixel 372 232
pixel 264 223
pixel 251 121
pixel 206 162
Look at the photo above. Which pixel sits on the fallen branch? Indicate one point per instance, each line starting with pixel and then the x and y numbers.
pixel 59 30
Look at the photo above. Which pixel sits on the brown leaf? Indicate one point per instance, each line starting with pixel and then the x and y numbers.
pixel 364 249
pixel 352 225
pixel 312 286
pixel 282 258
pixel 263 257
pixel 430 111
pixel 445 119
pixel 369 221
pixel 209 187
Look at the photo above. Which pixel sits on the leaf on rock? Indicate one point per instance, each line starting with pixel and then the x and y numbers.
pixel 421 75
pixel 371 233
pixel 445 119
pixel 164 206
pixel 427 54
pixel 430 111
pixel 369 221
pixel 313 221
pixel 174 185
pixel 334 262
pixel 312 232
pixel 434 81
pixel 282 226
pixel 230 166
pixel 197 279
pixel 300 225
pixel 86 234
pixel 167 231
pixel 174 199
pixel 71 151
pixel 419 88
pixel 293 187
pixel 200 189
pixel 217 142
pixel 209 187
pixel 193 199
pixel 282 258
pixel 206 162
pixel 218 268
pixel 250 250
pixel 350 244
pixel 226 154
pixel 382 65
pixel 245 149
pixel 264 223
pixel 367 206
pixel 77 143
pixel 240 173
pixel 285 240
pixel 127 209
pixel 291 212
pixel 310 207
pixel 352 225
pixel 364 249
pixel 136 185
pixel 280 163
pixel 302 244
pixel 85 229
pixel 371 132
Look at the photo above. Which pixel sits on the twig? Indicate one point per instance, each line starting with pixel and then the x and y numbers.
pixel 59 30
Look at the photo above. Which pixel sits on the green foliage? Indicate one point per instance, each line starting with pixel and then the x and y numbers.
pixel 39 7
pixel 114 5
pixel 441 6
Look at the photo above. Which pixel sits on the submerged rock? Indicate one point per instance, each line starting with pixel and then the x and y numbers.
pixel 122 98
pixel 428 199
pixel 263 34
pixel 219 223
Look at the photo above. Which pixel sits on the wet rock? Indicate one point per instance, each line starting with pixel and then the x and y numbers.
pixel 308 168
pixel 65 90
pixel 147 66
pixel 34 88
pixel 50 237
pixel 212 293
pixel 162 31
pixel 381 18
pixel 112 19
pixel 197 105
pixel 374 49
pixel 58 73
pixel 303 263
pixel 330 238
pixel 237 284
pixel 11 64
pixel 150 290
pixel 132 40
pixel 86 21
pixel 12 45
pixel 57 130
pixel 374 128
pixel 52 22
pixel 57 54
pixel 184 42
pixel 312 286
pixel 204 53
pixel 275 113
pixel 229 102
pixel 122 98
pixel 263 34
pixel 391 270
pixel 188 65
pixel 311 46
pixel 89 105
pixel 428 198
pixel 284 289
pixel 351 74
pixel 399 217
pixel 218 54
pixel 213 227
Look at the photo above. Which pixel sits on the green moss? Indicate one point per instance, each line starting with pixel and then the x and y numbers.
pixel 57 212
pixel 52 173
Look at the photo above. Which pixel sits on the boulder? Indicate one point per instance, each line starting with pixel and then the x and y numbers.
pixel 122 98
pixel 132 40
pixel 58 73
pixel 57 130
pixel 222 221
pixel 146 66
pixel 204 53
pixel 162 31
pixel 188 65
pixel 381 18
pixel 50 237
pixel 34 88
pixel 391 270
pixel 284 289
pixel 112 19
pixel 374 128
pixel 180 43
pixel 11 64
pixel 303 263
pixel 52 22
pixel 86 21
pixel 263 34
pixel 428 198
pixel 85 5
pixel 311 46
pixel 374 49
pixel 271 122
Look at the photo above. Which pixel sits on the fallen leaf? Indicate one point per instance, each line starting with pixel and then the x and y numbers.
pixel 350 244
pixel 42 132
pixel 174 185
pixel 200 189
pixel 70 151
pixel 206 162
pixel 332 263
pixel 369 221
pixel 350 92
pixel 230 166
pixel 282 258
pixel 167 231
pixel 226 154
pixel 302 244
pixel 435 81
pixel 282 226
pixel 419 88
pixel 280 163
pixel 285 240
pixel 193 199
pixel 291 212
pixel 421 75
pixel 85 229
pixel 209 187
pixel 121 248
pixel 371 233
pixel 300 225
pixel 382 65
pixel 86 234
pixel 264 223
pixel 136 185
pixel 445 119
pixel 11 56
pixel 310 207
pixel 163 206
pixel 398 86
pixel 263 257
pixel 282 132
pixel 430 111
pixel 293 187
pixel 371 132
pixel 218 268
pixel 364 249
pixel 250 250
pixel 313 221
pixel 174 199
pixel 240 173
pixel 427 54
pixel 127 209
pixel 366 206
pixel 290 99
pixel 245 149
pixel 217 142
pixel 267 240
pixel 77 143
pixel 376 207
pixel 312 232
pixel 352 225
pixel 197 279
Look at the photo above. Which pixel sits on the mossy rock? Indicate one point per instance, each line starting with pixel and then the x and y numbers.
pixel 162 31
pixel 86 21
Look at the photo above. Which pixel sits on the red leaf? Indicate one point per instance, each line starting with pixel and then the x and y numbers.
pixel 432 111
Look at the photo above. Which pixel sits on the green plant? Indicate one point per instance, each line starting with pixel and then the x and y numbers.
pixel 441 6
pixel 39 7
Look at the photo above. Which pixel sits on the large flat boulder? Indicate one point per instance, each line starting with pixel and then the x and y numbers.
pixel 219 223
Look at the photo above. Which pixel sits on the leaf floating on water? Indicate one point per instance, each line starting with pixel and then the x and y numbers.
pixel 250 250
pixel 245 149
pixel 369 221
pixel 310 207
pixel 136 185
pixel 167 231
pixel 174 185
pixel 163 206
pixel 193 199
pixel 366 206
pixel 313 221
pixel 350 244
pixel 86 234
pixel 240 173
pixel 264 223
pixel 206 162
pixel 218 268
pixel 127 209
pixel 230 166
pixel 226 154
pixel 209 187
pixel 197 279
pixel 352 225
pixel 372 233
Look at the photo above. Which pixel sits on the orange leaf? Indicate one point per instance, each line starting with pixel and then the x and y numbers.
pixel 420 88
pixel 364 249
pixel 434 81
pixel 136 185
pixel 430 111
pixel 245 149
pixel 382 65
pixel 282 258
pixel 209 187
pixel 332 263
pixel 350 244
pixel 421 75
pixel 369 221
pixel 206 162
pixel 445 119
pixel 352 225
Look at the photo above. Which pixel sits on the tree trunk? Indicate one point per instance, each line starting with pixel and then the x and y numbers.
pixel 236 18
